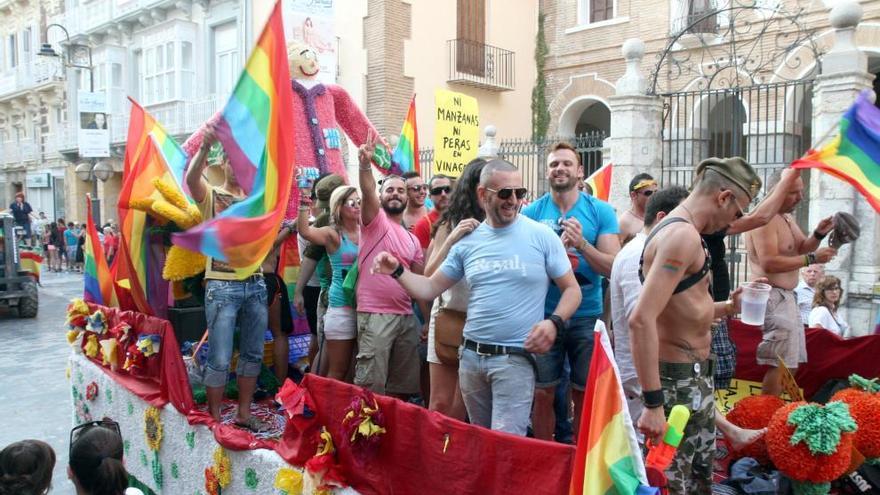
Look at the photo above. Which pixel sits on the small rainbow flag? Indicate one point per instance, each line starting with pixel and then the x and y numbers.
pixel 607 459
pixel 31 262
pixel 405 157
pixel 854 155
pixel 600 181
pixel 256 131
pixel 98 283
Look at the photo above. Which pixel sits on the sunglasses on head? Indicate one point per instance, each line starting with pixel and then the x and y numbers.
pixel 77 431
pixel 507 192
pixel 440 190
pixel 353 203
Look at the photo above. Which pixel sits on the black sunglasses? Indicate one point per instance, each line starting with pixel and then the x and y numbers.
pixel 440 190
pixel 647 193
pixel 507 192
pixel 79 430
pixel 418 188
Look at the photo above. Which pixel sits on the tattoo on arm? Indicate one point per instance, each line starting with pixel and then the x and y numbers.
pixel 672 265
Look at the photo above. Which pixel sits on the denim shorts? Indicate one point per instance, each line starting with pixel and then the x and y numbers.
pixel 231 304
pixel 575 342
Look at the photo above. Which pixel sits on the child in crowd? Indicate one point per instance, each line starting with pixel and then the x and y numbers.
pixel 26 468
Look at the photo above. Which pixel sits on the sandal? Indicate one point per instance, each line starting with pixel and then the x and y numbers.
pixel 253 424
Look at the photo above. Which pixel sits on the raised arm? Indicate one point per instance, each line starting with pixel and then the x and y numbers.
pixel 198 186
pixel 369 198
pixel 322 236
pixel 417 286
pixel 768 207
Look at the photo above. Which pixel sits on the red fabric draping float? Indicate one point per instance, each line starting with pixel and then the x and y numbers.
pixel 828 357
pixel 421 452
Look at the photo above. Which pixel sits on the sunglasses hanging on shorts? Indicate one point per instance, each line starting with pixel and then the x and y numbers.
pixel 441 189
pixel 507 192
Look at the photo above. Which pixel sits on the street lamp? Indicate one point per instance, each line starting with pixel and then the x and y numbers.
pixel 73 49
pixel 92 172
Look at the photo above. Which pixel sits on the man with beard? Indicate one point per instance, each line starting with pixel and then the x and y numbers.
pixel 416 193
pixel 777 251
pixel 632 221
pixel 588 229
pixel 388 332
pixel 440 187
pixel 670 326
pixel 508 262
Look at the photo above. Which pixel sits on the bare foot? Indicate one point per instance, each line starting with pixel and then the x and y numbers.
pixel 741 438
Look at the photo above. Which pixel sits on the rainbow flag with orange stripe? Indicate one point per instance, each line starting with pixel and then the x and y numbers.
pixel 98 283
pixel 854 155
pixel 256 131
pixel 607 460
pixel 600 181
pixel 405 157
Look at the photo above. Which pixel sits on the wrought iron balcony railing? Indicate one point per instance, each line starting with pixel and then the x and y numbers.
pixel 478 64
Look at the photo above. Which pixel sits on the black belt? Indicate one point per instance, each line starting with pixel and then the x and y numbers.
pixel 500 350
pixel 681 371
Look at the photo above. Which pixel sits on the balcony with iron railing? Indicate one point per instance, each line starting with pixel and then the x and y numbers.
pixel 484 66
pixel 17 152
pixel 101 13
pixel 30 74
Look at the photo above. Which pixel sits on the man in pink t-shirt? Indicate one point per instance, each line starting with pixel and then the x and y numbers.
pixel 388 332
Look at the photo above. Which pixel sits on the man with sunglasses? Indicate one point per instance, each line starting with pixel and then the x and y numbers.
pixel 778 251
pixel 632 221
pixel 588 229
pixel 416 194
pixel 440 187
pixel 509 262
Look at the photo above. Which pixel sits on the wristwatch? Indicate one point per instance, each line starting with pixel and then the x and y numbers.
pixel 557 322
pixel 397 272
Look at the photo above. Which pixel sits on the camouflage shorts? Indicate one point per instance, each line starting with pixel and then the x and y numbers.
pixel 691 470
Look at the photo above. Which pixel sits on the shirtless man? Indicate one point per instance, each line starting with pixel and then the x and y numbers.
pixel 632 221
pixel 778 251
pixel 670 325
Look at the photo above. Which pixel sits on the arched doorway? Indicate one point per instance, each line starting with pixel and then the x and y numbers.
pixel 586 122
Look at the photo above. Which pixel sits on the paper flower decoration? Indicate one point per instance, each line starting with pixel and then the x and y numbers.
pixel 212 484
pixel 109 354
pixel 149 344
pixel 77 322
pixel 91 347
pixel 289 481
pixel 182 263
pixel 363 426
pixel 134 360
pixel 324 473
pixel 811 444
pixel 863 400
pixel 92 391
pixel 74 338
pixel 77 306
pixel 754 412
pixel 122 332
pixel 97 323
pixel 153 428
pixel 222 467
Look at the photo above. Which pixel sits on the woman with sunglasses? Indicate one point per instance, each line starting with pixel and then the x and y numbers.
pixel 26 468
pixel 460 217
pixel 96 466
pixel 340 238
pixel 826 302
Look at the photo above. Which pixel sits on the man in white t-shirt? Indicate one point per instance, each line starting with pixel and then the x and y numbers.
pixel 806 289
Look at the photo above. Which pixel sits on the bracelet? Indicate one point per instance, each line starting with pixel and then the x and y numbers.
pixel 729 307
pixel 818 236
pixel 364 169
pixel 583 246
pixel 557 322
pixel 652 399
pixel 397 272
pixel 810 259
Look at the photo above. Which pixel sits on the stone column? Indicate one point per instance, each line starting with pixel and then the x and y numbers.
pixel 635 142
pixel 844 75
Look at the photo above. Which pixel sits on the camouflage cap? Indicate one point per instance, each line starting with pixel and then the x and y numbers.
pixel 736 170
pixel 325 187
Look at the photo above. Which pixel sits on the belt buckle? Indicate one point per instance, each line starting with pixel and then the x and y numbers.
pixel 697 369
pixel 484 354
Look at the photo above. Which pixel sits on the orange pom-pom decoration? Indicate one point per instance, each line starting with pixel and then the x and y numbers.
pixel 865 409
pixel 754 413
pixel 797 461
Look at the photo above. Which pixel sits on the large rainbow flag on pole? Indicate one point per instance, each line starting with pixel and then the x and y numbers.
pixel 405 157
pixel 600 181
pixel 98 283
pixel 854 154
pixel 256 131
pixel 607 460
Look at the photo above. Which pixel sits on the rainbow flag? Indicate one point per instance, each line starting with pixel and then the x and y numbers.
pixel 405 157
pixel 854 154
pixel 31 262
pixel 607 460
pixel 98 283
pixel 600 181
pixel 256 131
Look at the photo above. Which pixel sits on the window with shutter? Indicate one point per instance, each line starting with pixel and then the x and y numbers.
pixel 470 56
pixel 701 16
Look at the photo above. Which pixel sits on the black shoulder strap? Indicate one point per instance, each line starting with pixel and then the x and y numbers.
pixel 692 279
pixel 658 228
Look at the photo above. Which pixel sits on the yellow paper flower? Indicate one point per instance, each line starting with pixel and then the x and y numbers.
pixel 109 352
pixel 77 307
pixel 289 480
pixel 222 467
pixel 182 263
pixel 72 336
pixel 92 346
pixel 153 428
pixel 170 192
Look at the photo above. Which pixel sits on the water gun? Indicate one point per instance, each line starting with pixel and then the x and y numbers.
pixel 660 456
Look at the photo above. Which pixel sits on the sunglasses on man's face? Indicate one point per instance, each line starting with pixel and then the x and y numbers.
pixel 77 431
pixel 418 188
pixel 647 193
pixel 440 190
pixel 507 192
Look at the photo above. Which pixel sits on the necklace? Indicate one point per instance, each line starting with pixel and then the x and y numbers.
pixel 640 217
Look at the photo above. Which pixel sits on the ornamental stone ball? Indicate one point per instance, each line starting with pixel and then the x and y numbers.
pixel 846 14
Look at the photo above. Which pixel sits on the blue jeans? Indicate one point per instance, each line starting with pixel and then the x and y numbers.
pixel 228 302
pixel 497 390
pixel 576 342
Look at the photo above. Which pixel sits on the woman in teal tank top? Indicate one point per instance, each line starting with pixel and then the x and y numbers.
pixel 340 238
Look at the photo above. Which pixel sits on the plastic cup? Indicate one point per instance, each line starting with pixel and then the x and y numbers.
pixel 754 302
